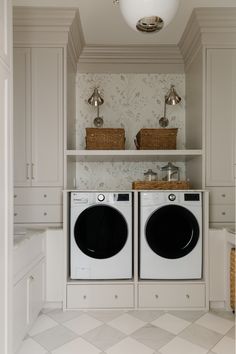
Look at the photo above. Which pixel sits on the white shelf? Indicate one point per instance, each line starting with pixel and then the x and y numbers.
pixel 131 155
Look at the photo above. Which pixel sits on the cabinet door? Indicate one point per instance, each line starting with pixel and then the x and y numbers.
pixel 220 117
pixel 5 32
pixel 35 292
pixel 22 117
pixel 47 113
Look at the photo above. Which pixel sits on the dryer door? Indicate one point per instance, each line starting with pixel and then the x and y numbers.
pixel 101 231
pixel 172 231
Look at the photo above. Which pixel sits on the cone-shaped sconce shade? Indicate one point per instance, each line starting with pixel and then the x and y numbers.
pixel 172 98
pixel 96 99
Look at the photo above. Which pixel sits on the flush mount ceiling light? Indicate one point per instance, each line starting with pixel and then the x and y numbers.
pixel 148 15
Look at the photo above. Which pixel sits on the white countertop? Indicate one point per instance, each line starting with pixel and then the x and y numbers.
pixel 231 235
pixel 22 234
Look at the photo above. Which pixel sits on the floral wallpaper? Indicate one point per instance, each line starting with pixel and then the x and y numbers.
pixel 132 102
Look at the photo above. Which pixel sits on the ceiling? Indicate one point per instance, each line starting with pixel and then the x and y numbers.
pixel 103 24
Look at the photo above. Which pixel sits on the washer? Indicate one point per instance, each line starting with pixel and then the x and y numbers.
pixel 170 235
pixel 101 235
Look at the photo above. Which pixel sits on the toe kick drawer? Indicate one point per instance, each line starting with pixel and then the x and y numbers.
pixel 172 295
pixel 100 296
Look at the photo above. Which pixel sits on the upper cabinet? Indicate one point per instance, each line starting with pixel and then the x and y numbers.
pixel 38 116
pixel 220 116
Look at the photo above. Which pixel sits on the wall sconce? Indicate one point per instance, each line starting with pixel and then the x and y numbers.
pixel 171 98
pixel 96 100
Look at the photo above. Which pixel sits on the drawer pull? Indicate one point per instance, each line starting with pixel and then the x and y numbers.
pixel 15 214
pixel 45 214
pixel 27 170
pixel 223 195
pixel 15 195
pixel 187 296
pixel 31 278
pixel 45 195
pixel 223 213
pixel 84 297
pixel 156 296
pixel 116 296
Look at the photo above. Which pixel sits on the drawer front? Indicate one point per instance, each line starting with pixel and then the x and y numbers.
pixel 222 195
pixel 27 252
pixel 172 296
pixel 222 213
pixel 38 214
pixel 100 296
pixel 37 196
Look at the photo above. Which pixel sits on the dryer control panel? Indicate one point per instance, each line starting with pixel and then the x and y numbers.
pixel 89 198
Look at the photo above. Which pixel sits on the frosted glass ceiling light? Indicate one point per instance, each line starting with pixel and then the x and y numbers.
pixel 148 15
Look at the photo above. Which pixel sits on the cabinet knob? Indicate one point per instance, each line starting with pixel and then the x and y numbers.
pixel 15 214
pixel 45 214
pixel 187 296
pixel 84 297
pixel 156 296
pixel 31 278
pixel 15 195
pixel 45 195
pixel 223 213
pixel 223 195
pixel 116 296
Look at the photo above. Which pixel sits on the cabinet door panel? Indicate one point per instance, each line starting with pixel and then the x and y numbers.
pixel 19 312
pixel 22 117
pixel 221 112
pixel 47 98
pixel 36 291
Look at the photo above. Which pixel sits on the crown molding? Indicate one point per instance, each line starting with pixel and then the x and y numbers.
pixel 52 26
pixel 208 27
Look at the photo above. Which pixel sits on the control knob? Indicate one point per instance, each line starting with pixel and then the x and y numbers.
pixel 172 197
pixel 101 197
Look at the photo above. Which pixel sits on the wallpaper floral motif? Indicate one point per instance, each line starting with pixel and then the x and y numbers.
pixel 132 102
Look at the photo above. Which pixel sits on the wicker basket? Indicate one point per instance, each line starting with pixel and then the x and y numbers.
pixel 160 185
pixel 156 139
pixel 105 138
pixel 232 278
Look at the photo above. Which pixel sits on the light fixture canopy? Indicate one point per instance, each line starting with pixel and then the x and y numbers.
pixel 171 98
pixel 148 15
pixel 96 100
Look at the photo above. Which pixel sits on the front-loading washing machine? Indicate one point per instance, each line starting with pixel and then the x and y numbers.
pixel 101 235
pixel 170 235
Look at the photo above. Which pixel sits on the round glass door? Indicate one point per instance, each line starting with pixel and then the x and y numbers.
pixel 101 231
pixel 172 231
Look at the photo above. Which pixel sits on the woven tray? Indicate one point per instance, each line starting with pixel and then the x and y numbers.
pixel 105 139
pixel 156 139
pixel 160 185
pixel 232 278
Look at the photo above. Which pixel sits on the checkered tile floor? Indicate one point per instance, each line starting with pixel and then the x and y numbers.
pixel 131 332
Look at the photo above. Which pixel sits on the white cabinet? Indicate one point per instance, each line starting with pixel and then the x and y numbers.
pixel 5 30
pixel 38 116
pixel 220 116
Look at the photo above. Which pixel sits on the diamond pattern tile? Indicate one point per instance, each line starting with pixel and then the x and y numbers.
pixel 131 332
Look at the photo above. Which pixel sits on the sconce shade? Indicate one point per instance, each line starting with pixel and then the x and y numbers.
pixel 148 15
pixel 96 99
pixel 172 98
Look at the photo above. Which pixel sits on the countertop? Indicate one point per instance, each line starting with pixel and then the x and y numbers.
pixel 22 234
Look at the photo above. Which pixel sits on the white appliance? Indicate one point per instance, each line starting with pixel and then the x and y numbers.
pixel 170 235
pixel 101 235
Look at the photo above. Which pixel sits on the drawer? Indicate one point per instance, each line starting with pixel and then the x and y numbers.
pixel 100 296
pixel 222 195
pixel 27 251
pixel 222 213
pixel 38 214
pixel 172 295
pixel 37 196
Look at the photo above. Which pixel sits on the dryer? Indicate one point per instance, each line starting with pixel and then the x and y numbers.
pixel 101 235
pixel 170 235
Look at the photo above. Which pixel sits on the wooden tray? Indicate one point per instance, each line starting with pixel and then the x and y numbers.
pixel 160 185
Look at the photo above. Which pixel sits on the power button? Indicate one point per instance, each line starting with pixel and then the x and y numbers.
pixel 172 197
pixel 101 197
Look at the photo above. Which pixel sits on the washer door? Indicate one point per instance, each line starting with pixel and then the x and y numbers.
pixel 172 231
pixel 100 231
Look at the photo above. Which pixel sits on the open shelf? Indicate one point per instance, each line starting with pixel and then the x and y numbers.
pixel 131 155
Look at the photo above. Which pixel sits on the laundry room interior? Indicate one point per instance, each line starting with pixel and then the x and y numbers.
pixel 121 209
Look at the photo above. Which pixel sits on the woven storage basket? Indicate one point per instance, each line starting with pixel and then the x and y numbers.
pixel 232 278
pixel 105 138
pixel 160 185
pixel 156 139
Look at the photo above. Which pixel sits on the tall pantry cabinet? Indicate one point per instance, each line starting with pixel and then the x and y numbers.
pixel 43 39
